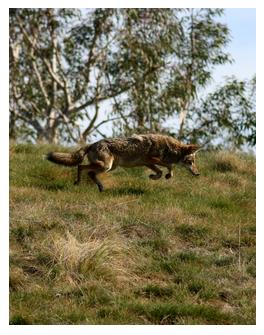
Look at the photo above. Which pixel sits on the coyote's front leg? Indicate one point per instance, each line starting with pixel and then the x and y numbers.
pixel 158 161
pixel 170 173
pixel 155 169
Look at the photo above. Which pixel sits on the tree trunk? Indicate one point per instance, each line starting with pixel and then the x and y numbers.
pixel 12 126
pixel 52 131
pixel 183 114
pixel 52 124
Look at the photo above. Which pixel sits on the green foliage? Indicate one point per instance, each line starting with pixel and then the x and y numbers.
pixel 229 111
pixel 147 64
pixel 178 50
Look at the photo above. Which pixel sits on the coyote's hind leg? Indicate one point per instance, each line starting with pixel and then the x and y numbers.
pixel 79 172
pixel 94 169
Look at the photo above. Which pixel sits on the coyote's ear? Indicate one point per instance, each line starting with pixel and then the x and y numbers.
pixel 193 148
pixel 199 149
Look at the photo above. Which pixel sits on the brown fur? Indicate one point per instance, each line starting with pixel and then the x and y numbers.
pixel 138 150
pixel 67 159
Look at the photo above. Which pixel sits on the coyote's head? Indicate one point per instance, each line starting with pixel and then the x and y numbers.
pixel 188 159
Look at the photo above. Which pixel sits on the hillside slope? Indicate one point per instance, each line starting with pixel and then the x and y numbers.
pixel 178 251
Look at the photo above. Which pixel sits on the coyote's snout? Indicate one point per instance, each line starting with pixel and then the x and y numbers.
pixel 189 163
pixel 147 150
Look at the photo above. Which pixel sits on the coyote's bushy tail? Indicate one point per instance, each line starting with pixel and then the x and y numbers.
pixel 67 159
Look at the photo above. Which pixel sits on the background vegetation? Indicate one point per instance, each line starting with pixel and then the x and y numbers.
pixel 72 71
pixel 144 252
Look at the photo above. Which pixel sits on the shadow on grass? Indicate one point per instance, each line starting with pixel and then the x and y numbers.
pixel 18 320
pixel 168 313
pixel 126 191
pixel 52 187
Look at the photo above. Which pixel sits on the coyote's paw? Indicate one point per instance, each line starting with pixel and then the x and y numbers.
pixel 155 176
pixel 100 187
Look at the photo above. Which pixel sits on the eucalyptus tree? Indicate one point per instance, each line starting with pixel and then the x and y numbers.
pixel 226 117
pixel 178 50
pixel 142 50
pixel 144 65
pixel 199 50
pixel 57 62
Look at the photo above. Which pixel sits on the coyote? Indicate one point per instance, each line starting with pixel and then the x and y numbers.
pixel 147 150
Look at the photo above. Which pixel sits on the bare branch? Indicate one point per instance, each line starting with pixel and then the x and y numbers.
pixel 92 122
pixel 86 132
pixel 40 82
pixel 51 72
pixel 90 59
pixel 100 133
pixel 35 107
pixel 106 121
pixel 35 68
pixel 93 100
pixel 65 82
pixel 67 121
pixel 44 59
pixel 117 105
pixel 126 87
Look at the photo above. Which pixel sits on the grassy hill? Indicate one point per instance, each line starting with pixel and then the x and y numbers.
pixel 178 251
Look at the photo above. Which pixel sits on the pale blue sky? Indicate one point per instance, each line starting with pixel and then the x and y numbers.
pixel 242 25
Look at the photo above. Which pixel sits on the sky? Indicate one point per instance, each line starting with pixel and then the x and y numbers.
pixel 242 25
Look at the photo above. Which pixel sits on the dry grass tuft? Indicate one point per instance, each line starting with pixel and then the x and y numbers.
pixel 106 258
pixel 227 162
pixel 17 278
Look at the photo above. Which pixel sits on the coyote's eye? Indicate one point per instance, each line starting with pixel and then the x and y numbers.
pixel 188 161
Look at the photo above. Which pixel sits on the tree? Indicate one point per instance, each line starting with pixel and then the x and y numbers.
pixel 143 48
pixel 199 50
pixel 184 46
pixel 35 85
pixel 226 117
pixel 145 65
pixel 57 71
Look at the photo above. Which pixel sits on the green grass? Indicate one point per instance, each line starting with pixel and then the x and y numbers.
pixel 142 252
